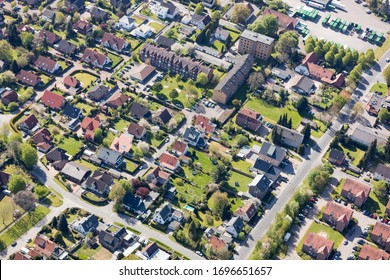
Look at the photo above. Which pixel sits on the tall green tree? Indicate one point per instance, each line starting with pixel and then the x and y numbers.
pixel 17 183
pixel 63 224
pixel 28 155
pixel 306 131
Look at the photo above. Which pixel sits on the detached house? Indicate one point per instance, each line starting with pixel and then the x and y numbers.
pixel 116 100
pixel 98 93
pixel 50 37
pixel 162 215
pixel 47 64
pixel 86 224
pixel 98 14
pixel 110 157
pixel 382 172
pixel 179 148
pixel 48 15
pixel 42 139
pixel 200 21
pixel 158 176
pixel 337 215
pixel 126 23
pixel 136 130
pixel 99 183
pixel 72 112
pixel 121 3
pixel 272 154
pixel 355 192
pixel 289 137
pixel 9 96
pixel 4 179
pixel 74 5
pixel 246 212
pixel 336 156
pixel 234 226
pixel 285 22
pixel 66 48
pixel 204 124
pixel 122 144
pixel 113 241
pixel 169 162
pixel 317 246
pixel 28 78
pixel 58 158
pixel 139 110
pixel 29 124
pixel 193 137
pixel 162 117
pixel 96 59
pixel 82 27
pixel 260 186
pixel 249 119
pixel 163 9
pixel 115 43
pixel 89 125
pixel 71 82
pixel 75 172
pixel 371 253
pixel 53 100
pixel 380 234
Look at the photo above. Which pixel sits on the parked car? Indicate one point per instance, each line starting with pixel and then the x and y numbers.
pixel 199 253
pixel 361 242
pixel 345 242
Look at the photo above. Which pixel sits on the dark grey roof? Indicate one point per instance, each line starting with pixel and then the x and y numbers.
pixel 98 92
pixel 269 170
pixel 165 211
pixel 261 182
pixel 336 154
pixel 237 223
pixel 48 13
pixel 305 84
pixel 139 110
pixel 109 156
pixel 164 115
pixel 75 170
pixel 151 249
pixel 383 170
pixel 222 32
pixel 257 37
pixel 116 3
pixel 66 47
pixel 100 180
pixel 134 202
pixel 57 155
pixel 165 41
pixel 77 3
pixel 71 112
pixel 90 223
pixel 169 5
pixel 272 151
pixel 191 134
pixel 98 13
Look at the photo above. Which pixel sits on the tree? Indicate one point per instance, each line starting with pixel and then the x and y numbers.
pixel 255 80
pixel 142 192
pixel 369 154
pixel 370 57
pixel 199 9
pixel 386 74
pixel 301 150
pixel 302 105
pixel 329 57
pixel 17 183
pixel 220 173
pixel 98 136
pixel 192 231
pixel 267 25
pixel 117 193
pixel 357 109
pixel 384 115
pixel 25 200
pixel 173 94
pixel 202 79
pixel 387 149
pixel 309 48
pixel 240 13
pixel 13 106
pixel 28 155
pixel 157 87
pixel 69 29
pixel 306 131
pixel 216 15
pixel 218 202
pixel 374 4
pixel 242 140
pixel 287 44
pixel 380 190
pixel 63 224
pixel 319 51
pixel 54 222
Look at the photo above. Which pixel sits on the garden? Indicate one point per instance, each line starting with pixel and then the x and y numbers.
pixel 85 78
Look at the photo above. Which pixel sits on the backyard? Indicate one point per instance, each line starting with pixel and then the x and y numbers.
pixel 121 125
pixel 70 145
pixel 7 208
pixel 197 177
pixel 116 59
pixel 98 253
pixel 85 78
pixel 203 159
pixel 189 193
pixel 130 166
pixel 238 182
pixel 373 204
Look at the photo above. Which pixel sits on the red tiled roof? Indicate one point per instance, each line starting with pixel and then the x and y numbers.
pixel 382 230
pixel 45 63
pixel 311 57
pixel 44 246
pixel 318 243
pixel 339 212
pixel 248 209
pixel 249 113
pixel 284 21
pixel 203 123
pixel 356 188
pixel 113 40
pixel 20 257
pixel 179 146
pixel 71 81
pixel 117 99
pixel 93 56
pixel 216 243
pixel 168 161
pixel 28 78
pixel 42 136
pixel 370 253
pixel 31 121
pixel 136 129
pixel 90 123
pixel 52 100
pixel 159 173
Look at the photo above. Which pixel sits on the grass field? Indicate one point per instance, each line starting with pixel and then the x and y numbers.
pixel 22 226
pixel 380 87
pixel 63 64
pixel 87 164
pixel 7 208
pixel 85 78
pixel 381 50
pixel 188 192
pixel 354 153
pixel 156 26
pixel 235 203
pixel 324 231
pixel 199 178
pixel 241 165
pixel 86 253
pixel 272 113
pixel 116 59
pixel 121 125
pixel 138 20
pixel 239 182
pixel 70 145
pixel 130 166
pixel 373 204
pixel 203 159
pixel 45 78
pixel 53 200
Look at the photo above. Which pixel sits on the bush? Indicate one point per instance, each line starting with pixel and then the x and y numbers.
pixel 41 191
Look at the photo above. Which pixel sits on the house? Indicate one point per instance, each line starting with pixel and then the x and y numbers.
pixel 86 224
pixel 74 124
pixel 303 85
pixel 162 215
pixel 44 247
pixel 165 42
pixel 158 176
pixel 260 186
pixel 285 22
pixel 134 203
pixel 52 100
pixel 234 226
pixel 204 124
pixel 126 23
pixel 24 28
pixel 270 171
pixel 48 15
pixel 246 212
pixel 169 61
pixel 98 92
pixel 179 148
pixel 368 252
pixel 124 4
pixel 71 82
pixel 365 137
pixel 141 72
pixel 9 96
pixel 58 158
pixel 153 252
pixel 89 125
pixel 382 172
pixel 110 157
pixel 272 154
pixel 256 44
pixel 115 43
pixel 249 119
pixel 139 110
pixel 336 156
pixel 316 246
pixel 387 211
pixel 28 78
pixel 66 48
pixel 122 144
pixel 47 64
pixel 337 215
pixel 31 3
pixel 96 59
pixel 355 192
pixel 289 137
pixel 233 80
pixel 112 241
pixel 42 139
pixel 136 130
pixel 75 172
pixel 163 9
pixel 29 124
pixel 4 179
pixel 82 27
pixel 200 21
pixel 116 100
pixel 380 235
pixel 72 112
pixel 217 244
pixel 99 183
pixel 221 34
pixel 310 67
pixel 374 104
pixel 169 162
pixel 192 136
pixel 162 116
pixel 143 31
pixel 50 37
pixel 281 74
pixel 74 5
pixel 98 14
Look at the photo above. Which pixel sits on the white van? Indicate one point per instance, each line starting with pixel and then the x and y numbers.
pixel 7 192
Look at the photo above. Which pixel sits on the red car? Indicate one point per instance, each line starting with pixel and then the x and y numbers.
pixel 374 216
pixel 313 200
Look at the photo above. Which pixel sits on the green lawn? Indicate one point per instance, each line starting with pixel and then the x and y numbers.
pixel 218 45
pixel 235 203
pixel 87 164
pixel 85 78
pixel 7 208
pixel 130 166
pixel 116 59
pixel 239 182
pixel 380 87
pixel 70 145
pixel 156 26
pixel 379 52
pixel 272 113
pixel 321 129
pixel 234 35
pixel 63 64
pixel 199 178
pixel 203 159
pixel 353 153
pixel 22 226
pixel 138 20
pixel 147 12
pixel 324 231
pixel 188 192
pixel 241 165
pixel 121 125
pixel 53 200
pixel 86 108
pixel 373 204
pixel 85 252
pixel 45 78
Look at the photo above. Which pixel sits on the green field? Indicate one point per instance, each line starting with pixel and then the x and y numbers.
pixel 156 26
pixel 121 125
pixel 380 87
pixel 130 166
pixel 85 78
pixel 98 253
pixel 116 59
pixel 239 182
pixel 53 200
pixel 188 192
pixel 241 165
pixel 7 207
pixel 87 164
pixel 203 159
pixel 353 153
pixel 22 226
pixel 70 145
pixel 86 108
pixel 379 52
pixel 138 20
pixel 272 113
pixel 373 204
pixel 199 178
